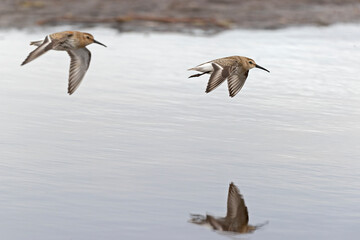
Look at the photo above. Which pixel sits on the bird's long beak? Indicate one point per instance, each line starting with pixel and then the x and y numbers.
pixel 257 66
pixel 99 43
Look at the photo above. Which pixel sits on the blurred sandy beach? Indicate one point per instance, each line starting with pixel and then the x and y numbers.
pixel 178 15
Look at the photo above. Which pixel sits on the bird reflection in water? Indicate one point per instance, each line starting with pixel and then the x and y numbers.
pixel 236 219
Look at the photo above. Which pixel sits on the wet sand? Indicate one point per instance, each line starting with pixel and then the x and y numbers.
pixel 178 15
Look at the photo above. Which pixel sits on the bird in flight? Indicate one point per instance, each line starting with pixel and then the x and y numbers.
pixel 74 43
pixel 235 69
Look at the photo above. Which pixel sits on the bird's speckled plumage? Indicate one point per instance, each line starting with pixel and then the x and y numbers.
pixel 74 43
pixel 234 68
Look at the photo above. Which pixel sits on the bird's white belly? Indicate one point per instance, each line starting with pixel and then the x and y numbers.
pixel 206 67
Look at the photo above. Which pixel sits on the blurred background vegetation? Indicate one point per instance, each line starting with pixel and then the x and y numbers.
pixel 177 15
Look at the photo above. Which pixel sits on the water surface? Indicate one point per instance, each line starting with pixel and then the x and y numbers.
pixel 139 146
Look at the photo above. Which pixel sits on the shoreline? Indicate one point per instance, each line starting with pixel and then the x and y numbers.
pixel 178 16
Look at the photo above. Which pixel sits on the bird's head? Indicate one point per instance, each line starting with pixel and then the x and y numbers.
pixel 250 63
pixel 90 39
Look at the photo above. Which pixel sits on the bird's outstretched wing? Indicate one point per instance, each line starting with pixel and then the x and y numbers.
pixel 80 61
pixel 236 209
pixel 217 77
pixel 43 48
pixel 236 79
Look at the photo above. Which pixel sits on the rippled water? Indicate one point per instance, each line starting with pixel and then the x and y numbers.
pixel 139 146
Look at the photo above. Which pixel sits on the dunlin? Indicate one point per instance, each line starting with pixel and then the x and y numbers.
pixel 235 69
pixel 75 44
pixel 236 219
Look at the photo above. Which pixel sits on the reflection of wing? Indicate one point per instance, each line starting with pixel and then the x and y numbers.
pixel 214 223
pixel 218 76
pixel 80 61
pixel 236 79
pixel 236 209
pixel 43 48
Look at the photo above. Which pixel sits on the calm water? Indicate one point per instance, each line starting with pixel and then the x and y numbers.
pixel 139 146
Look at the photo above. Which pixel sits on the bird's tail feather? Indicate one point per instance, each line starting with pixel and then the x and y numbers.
pixel 197 219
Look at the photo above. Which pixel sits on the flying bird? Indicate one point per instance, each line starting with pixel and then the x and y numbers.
pixel 74 43
pixel 235 69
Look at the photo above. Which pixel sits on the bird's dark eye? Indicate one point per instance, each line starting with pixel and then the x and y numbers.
pixel 87 37
pixel 70 35
pixel 251 62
